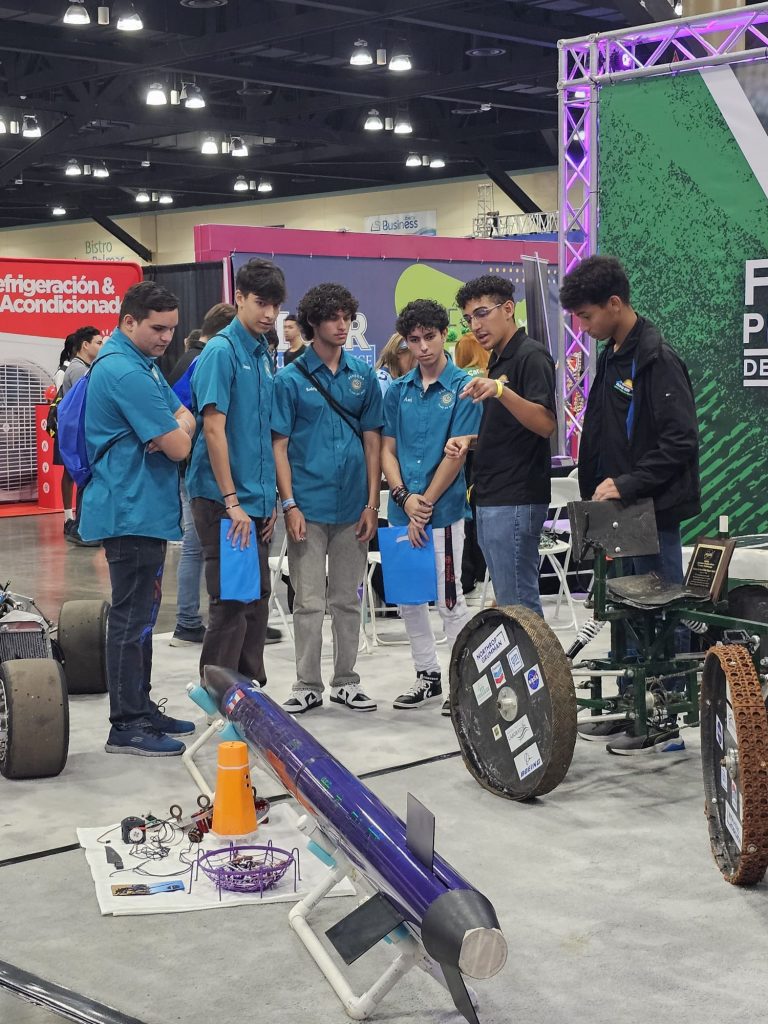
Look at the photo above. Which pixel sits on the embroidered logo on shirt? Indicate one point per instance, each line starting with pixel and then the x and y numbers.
pixel 624 387
pixel 356 383
pixel 447 399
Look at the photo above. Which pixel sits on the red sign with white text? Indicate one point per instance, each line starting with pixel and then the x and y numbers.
pixel 52 298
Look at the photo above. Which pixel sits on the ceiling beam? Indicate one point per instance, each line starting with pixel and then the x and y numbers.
pixel 119 233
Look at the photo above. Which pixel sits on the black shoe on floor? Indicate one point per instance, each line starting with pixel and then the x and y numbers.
pixel 425 690
pixel 274 636
pixel 183 637
pixel 601 730
pixel 658 741
pixel 74 537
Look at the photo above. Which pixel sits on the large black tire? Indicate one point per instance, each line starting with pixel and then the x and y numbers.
pixel 734 759
pixel 513 704
pixel 82 637
pixel 34 719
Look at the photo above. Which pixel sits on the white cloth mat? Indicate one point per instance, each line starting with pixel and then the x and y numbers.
pixel 281 829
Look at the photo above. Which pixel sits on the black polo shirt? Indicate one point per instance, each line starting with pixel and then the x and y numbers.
pixel 618 385
pixel 512 465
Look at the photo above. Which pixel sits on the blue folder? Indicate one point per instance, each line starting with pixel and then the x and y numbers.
pixel 409 573
pixel 239 574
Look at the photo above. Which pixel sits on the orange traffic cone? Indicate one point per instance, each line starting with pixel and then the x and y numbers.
pixel 234 813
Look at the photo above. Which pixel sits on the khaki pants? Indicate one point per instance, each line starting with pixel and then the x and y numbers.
pixel 346 560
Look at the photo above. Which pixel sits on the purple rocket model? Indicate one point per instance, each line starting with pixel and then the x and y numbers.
pixel 456 924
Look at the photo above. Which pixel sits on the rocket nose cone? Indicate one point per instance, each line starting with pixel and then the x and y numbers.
pixel 217 681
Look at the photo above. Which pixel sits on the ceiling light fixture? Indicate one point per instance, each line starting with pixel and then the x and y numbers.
pixel 400 59
pixel 381 56
pixel 156 96
pixel 58 211
pixel 30 129
pixel 678 9
pixel 361 55
pixel 77 14
pixel 210 146
pixel 413 160
pixel 3 128
pixel 389 124
pixel 192 96
pixel 485 51
pixel 264 185
pixel 129 20
pixel 436 162
pixel 175 97
pixel 73 168
pixel 165 199
pixel 100 169
pixel 142 196
pixel 240 185
pixel 373 122
pixel 237 147
pixel 403 124
pixel 102 15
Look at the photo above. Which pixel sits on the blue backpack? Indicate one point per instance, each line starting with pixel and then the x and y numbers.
pixel 183 386
pixel 71 431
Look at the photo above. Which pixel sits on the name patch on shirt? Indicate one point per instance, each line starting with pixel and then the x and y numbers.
pixel 624 387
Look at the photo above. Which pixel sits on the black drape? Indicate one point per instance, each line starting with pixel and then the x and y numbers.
pixel 198 286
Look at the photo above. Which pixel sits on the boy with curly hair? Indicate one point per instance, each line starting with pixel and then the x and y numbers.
pixel 326 426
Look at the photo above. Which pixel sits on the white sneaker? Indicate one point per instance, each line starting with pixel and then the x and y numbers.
pixel 352 697
pixel 301 700
pixel 446 708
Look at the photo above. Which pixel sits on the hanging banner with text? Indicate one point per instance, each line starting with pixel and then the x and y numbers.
pixel 683 167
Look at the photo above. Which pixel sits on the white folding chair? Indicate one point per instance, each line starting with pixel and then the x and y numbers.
pixel 564 489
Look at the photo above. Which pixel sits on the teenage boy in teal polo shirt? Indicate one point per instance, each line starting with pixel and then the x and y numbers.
pixel 421 411
pixel 328 458
pixel 232 471
pixel 137 432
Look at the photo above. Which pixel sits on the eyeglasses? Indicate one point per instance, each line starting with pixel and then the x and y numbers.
pixel 479 314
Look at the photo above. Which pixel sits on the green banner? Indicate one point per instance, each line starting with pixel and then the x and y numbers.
pixel 683 204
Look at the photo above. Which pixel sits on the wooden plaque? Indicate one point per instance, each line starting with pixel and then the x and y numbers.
pixel 708 566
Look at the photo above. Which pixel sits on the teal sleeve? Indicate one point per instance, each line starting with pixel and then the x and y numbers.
pixel 212 379
pixel 391 405
pixel 283 405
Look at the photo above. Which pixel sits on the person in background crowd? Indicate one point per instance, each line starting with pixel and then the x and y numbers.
pixel 136 432
pixel 471 357
pixel 327 445
pixel 294 337
pixel 193 346
pixel 395 360
pixel 189 625
pixel 421 411
pixel 85 347
pixel 512 469
pixel 640 440
pixel 231 475
pixel 64 361
pixel 273 340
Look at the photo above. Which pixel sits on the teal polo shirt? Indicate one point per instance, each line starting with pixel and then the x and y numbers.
pixel 421 422
pixel 328 471
pixel 234 374
pixel 132 492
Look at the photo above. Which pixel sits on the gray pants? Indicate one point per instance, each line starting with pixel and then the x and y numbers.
pixel 347 559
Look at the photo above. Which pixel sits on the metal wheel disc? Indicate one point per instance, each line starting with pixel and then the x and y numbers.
pixel 512 703
pixel 734 756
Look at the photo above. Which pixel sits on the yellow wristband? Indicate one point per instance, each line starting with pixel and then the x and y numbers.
pixel 499 388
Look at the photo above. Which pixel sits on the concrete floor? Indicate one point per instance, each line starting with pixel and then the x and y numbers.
pixel 606 890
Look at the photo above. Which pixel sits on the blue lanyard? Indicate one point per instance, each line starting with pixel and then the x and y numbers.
pixel 631 410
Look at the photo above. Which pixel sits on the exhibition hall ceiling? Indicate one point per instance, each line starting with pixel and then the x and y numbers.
pixel 268 91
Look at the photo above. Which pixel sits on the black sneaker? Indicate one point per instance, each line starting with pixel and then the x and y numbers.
pixel 71 534
pixel 144 740
pixel 597 729
pixel 183 637
pixel 171 726
pixel 425 690
pixel 658 741
pixel 274 636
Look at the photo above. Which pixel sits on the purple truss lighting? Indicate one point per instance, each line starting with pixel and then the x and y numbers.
pixel 586 64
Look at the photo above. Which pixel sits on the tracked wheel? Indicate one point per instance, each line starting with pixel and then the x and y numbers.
pixel 34 718
pixel 734 755
pixel 513 703
pixel 82 637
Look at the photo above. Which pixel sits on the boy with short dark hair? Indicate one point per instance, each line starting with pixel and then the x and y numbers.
pixel 422 410
pixel 326 424
pixel 232 471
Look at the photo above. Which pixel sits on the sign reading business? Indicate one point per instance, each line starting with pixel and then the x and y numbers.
pixel 422 222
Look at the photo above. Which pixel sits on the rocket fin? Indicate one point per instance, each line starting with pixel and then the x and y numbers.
pixel 459 994
pixel 420 832
pixel 364 927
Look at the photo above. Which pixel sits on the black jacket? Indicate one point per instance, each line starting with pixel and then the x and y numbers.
pixel 664 438
pixel 184 362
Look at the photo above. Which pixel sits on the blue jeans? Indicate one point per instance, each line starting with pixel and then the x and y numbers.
pixel 136 572
pixel 189 575
pixel 509 538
